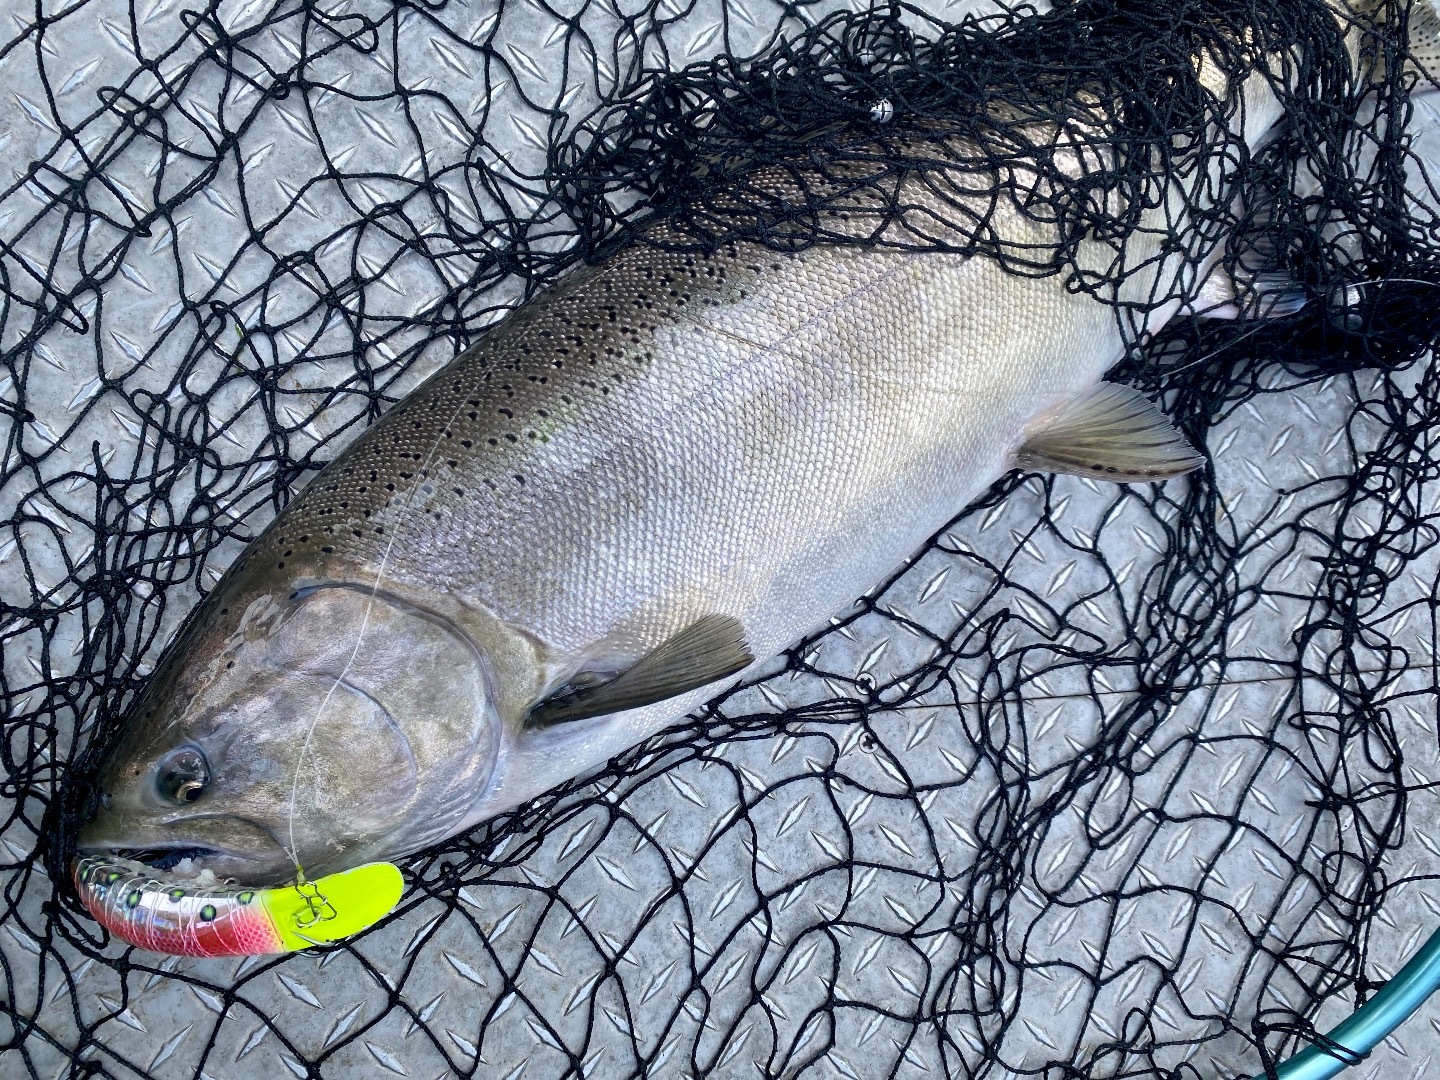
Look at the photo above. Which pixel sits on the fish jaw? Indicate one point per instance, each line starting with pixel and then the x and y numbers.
pixel 232 849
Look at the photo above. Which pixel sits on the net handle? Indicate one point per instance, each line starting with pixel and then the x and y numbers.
pixel 1357 1035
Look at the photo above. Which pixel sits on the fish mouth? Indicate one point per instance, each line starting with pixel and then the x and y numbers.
pixel 164 859
pixel 189 856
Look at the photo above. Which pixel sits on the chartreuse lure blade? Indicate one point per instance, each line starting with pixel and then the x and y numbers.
pixel 178 918
pixel 1356 1036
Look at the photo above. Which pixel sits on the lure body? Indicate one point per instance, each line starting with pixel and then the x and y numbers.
pixel 130 901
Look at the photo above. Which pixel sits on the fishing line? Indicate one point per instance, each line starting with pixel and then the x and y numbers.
pixel 420 478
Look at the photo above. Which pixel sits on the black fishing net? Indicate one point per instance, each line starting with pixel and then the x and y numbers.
pixel 1105 782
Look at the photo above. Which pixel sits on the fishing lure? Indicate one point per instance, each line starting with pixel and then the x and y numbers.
pixel 128 900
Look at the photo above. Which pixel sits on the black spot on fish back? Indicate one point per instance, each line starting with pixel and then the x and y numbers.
pixel 514 394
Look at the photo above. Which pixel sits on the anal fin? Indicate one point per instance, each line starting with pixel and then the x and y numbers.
pixel 1113 433
pixel 706 650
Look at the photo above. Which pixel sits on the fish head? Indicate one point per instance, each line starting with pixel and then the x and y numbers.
pixel 315 728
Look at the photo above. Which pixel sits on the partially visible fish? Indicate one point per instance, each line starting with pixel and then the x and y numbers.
pixel 664 468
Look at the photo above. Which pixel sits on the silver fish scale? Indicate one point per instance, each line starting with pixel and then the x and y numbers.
pixel 720 911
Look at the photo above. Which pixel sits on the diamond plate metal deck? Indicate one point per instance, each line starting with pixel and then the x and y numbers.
pixel 717 912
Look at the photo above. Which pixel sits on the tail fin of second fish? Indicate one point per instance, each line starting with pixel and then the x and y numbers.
pixel 1424 40
pixel 1422 33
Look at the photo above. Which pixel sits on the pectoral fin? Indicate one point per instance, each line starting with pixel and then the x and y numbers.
pixel 1112 433
pixel 709 649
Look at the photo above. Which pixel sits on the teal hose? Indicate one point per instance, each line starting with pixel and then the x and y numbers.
pixel 1379 1016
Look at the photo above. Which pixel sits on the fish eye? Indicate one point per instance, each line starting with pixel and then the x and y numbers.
pixel 183 775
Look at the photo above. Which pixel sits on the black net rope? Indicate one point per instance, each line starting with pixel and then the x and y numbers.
pixel 1106 782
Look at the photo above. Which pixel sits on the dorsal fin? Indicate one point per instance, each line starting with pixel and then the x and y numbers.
pixel 706 650
pixel 1113 433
